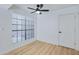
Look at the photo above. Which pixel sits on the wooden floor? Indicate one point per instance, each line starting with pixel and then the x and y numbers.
pixel 42 48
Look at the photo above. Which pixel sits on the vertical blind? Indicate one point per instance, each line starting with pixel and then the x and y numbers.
pixel 22 28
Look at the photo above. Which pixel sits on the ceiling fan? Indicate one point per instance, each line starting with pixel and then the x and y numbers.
pixel 38 9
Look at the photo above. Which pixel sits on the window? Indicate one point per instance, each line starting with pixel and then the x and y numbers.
pixel 22 28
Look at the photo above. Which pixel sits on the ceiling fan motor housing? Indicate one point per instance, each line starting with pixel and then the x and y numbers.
pixel 39 5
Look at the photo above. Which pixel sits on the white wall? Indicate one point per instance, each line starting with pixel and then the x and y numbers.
pixel 47 28
pixel 72 10
pixel 77 31
pixel 5 30
pixel 6 43
pixel 47 25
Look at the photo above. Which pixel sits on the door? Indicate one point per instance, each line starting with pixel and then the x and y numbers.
pixel 66 30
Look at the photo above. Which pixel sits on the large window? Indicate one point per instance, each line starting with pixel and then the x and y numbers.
pixel 22 28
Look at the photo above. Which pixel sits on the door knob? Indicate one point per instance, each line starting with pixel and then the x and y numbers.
pixel 59 32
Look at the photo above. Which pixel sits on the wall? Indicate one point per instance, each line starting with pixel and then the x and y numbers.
pixel 6 43
pixel 5 30
pixel 77 31
pixel 47 28
pixel 47 25
pixel 72 10
pixel 16 9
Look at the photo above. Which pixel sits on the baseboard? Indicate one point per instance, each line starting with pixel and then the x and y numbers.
pixel 57 44
pixel 47 42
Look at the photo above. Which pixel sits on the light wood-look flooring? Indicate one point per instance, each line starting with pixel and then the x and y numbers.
pixel 42 48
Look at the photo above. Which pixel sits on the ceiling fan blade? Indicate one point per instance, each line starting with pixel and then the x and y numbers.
pixel 33 12
pixel 31 8
pixel 43 10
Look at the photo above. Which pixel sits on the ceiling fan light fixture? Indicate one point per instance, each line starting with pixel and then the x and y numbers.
pixel 38 12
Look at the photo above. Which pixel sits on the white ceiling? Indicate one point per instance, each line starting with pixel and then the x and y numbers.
pixel 5 6
pixel 46 6
pixel 51 7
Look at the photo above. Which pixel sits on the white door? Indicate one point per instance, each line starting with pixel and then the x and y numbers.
pixel 66 30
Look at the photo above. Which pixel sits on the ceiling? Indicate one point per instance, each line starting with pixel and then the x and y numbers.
pixel 46 6
pixel 5 6
pixel 51 7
